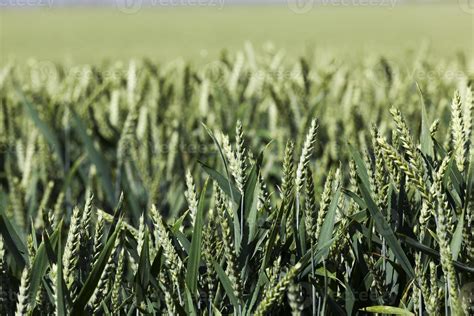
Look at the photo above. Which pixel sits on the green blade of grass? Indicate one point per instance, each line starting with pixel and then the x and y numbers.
pixel 225 185
pixel 225 281
pixel 426 141
pixel 328 225
pixel 40 265
pixel 384 229
pixel 456 241
pixel 93 279
pixel 142 277
pixel 13 241
pixel 237 232
pixel 195 252
pixel 381 225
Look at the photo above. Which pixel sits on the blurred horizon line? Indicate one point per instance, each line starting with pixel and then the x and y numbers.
pixel 23 4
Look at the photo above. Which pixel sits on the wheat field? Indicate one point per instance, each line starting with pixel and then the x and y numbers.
pixel 254 184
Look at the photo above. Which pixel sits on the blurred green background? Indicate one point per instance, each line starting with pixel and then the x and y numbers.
pixel 89 34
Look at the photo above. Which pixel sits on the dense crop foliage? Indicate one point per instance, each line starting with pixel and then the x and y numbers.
pixel 251 185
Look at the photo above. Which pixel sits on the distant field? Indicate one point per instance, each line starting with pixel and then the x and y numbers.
pixel 92 34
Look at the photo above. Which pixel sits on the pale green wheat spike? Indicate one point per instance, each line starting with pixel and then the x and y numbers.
pixel 115 297
pixel 324 203
pixel 381 187
pixel 310 207
pixel 406 141
pixel 423 291
pixel 442 232
pixel 30 246
pixel 191 196
pixel 288 173
pixel 415 178
pixel 161 235
pixel 71 250
pixel 353 184
pixel 287 186
pixel 103 287
pixel 434 128
pixel 23 304
pixel 229 154
pixel 98 237
pixel 141 234
pixel 229 248
pixel 263 201
pixel 87 216
pixel 436 189
pixel 275 294
pixel 434 298
pixel 306 152
pixel 86 241
pixel 240 157
pixel 172 260
pixel 209 251
pixel 457 132
pixel 468 234
pixel 170 305
pixel 396 174
pixel 273 273
pixel 468 113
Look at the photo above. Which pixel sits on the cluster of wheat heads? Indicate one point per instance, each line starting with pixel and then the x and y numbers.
pixel 280 213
